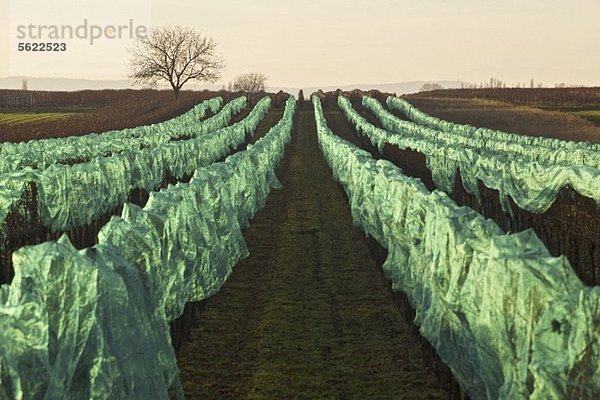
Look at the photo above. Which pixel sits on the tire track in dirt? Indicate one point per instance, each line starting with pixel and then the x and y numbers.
pixel 307 315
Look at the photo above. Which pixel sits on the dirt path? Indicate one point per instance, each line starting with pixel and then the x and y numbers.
pixel 307 315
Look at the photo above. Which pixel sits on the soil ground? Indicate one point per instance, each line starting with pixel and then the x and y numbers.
pixel 307 315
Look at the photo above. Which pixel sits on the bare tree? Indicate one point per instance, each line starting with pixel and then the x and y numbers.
pixel 175 54
pixel 495 83
pixel 430 86
pixel 251 82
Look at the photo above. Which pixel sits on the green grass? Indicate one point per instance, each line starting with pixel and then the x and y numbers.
pixel 591 115
pixel 32 115
pixel 590 112
pixel 307 315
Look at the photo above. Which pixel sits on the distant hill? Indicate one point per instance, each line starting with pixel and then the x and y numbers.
pixel 66 84
pixel 62 84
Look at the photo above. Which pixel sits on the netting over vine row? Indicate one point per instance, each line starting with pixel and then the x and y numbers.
pixel 94 323
pixel 532 185
pixel 40 154
pixel 510 320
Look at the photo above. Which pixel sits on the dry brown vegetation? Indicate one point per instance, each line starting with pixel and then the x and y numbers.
pixel 525 96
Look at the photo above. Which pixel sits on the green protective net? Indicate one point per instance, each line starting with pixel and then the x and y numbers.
pixel 215 122
pixel 421 118
pixel 40 154
pixel 80 326
pixel 11 187
pixel 94 323
pixel 510 320
pixel 533 185
pixel 73 196
pixel 485 142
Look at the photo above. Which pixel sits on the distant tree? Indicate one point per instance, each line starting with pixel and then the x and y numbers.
pixel 174 54
pixel 24 85
pixel 430 86
pixel 230 86
pixel 496 83
pixel 301 98
pixel 251 82
pixel 531 84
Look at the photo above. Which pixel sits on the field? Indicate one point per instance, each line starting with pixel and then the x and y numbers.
pixel 568 114
pixel 321 260
pixel 591 115
pixel 529 120
pixel 104 111
pixel 558 97
pixel 28 116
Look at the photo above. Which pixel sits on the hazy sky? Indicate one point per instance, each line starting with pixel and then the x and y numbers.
pixel 334 42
